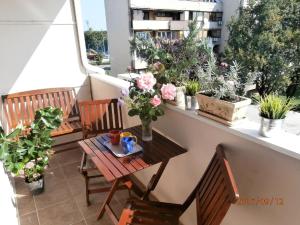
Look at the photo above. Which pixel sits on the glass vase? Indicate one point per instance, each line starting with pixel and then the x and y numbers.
pixel 146 130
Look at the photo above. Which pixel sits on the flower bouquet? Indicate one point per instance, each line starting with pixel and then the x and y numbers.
pixel 145 99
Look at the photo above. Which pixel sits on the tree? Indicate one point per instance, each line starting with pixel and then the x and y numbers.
pixel 264 40
pixel 95 39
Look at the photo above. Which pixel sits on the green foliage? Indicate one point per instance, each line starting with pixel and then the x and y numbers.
pixel 221 81
pixel 99 58
pixel 139 104
pixel 180 58
pixel 265 39
pixel 192 87
pixel 95 39
pixel 28 152
pixel 275 107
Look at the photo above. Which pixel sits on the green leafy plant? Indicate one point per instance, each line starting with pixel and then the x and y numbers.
pixel 180 58
pixel 192 87
pixel 220 81
pixel 275 107
pixel 26 150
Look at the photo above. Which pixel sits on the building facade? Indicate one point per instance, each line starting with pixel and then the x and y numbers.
pixel 167 19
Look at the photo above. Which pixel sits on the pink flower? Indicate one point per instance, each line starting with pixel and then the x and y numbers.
pixel 168 91
pixel 146 81
pixel 155 101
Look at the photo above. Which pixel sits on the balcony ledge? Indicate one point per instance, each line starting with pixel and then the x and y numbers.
pixel 288 144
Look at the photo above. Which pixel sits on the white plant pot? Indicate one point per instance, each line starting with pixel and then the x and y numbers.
pixel 229 111
pixel 179 99
pixel 270 127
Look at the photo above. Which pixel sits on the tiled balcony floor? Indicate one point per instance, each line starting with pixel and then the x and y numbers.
pixel 63 200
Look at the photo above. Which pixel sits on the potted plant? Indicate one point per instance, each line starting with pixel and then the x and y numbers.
pixel 25 151
pixel 219 96
pixel 191 88
pixel 273 110
pixel 145 100
pixel 172 61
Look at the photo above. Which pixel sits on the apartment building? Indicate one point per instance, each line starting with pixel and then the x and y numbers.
pixel 167 19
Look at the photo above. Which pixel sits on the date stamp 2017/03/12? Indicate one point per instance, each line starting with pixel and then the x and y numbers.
pixel 261 201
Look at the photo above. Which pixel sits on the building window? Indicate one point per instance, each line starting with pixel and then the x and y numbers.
pixel 95 33
pixel 214 33
pixel 173 15
pixel 146 15
pixel 215 16
pixel 144 35
pixel 168 35
pixel 199 16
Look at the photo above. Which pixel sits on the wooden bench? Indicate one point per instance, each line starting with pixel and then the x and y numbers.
pixel 20 108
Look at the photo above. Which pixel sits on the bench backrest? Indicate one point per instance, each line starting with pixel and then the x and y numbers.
pixel 20 107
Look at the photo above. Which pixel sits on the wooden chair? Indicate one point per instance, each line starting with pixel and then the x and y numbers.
pixel 214 194
pixel 20 108
pixel 99 116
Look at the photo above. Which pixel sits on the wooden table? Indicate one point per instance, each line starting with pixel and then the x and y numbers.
pixel 115 170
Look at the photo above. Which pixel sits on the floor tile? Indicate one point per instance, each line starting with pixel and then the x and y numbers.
pixel 68 157
pixel 80 223
pixel 91 210
pixel 65 213
pixel 105 220
pixel 76 185
pixel 25 204
pixel 71 170
pixel 29 219
pixel 53 193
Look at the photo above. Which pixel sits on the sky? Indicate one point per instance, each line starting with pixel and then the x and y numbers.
pixel 93 13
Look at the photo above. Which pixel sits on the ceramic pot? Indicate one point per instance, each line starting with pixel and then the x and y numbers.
pixel 36 187
pixel 190 102
pixel 270 127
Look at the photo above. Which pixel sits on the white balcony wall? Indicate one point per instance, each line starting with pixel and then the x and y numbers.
pixel 150 25
pixel 179 25
pixel 39 46
pixel 176 5
pixel 212 25
pixel 260 171
pixel 38 49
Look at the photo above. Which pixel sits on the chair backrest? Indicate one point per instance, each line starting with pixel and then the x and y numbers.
pixel 20 107
pixel 215 192
pixel 100 116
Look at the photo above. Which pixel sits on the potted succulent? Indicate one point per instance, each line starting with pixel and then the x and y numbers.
pixel 145 99
pixel 273 110
pixel 25 151
pixel 191 89
pixel 219 98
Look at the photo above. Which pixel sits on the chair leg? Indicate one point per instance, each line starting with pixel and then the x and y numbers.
pixel 113 189
pixel 87 194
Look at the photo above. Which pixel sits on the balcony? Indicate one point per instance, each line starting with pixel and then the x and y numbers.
pixel 179 25
pixel 42 48
pixel 180 5
pixel 150 25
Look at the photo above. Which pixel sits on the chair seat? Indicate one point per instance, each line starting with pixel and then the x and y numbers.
pixel 152 213
pixel 67 128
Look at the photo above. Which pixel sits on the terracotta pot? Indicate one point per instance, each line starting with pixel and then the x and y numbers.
pixel 223 109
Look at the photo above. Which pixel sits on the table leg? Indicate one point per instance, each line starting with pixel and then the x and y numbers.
pixel 113 189
pixel 83 162
pixel 154 180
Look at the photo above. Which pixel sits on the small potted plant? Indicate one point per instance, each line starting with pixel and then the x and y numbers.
pixel 191 89
pixel 25 151
pixel 273 110
pixel 219 97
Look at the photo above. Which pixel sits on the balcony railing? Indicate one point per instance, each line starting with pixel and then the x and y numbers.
pixel 150 25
